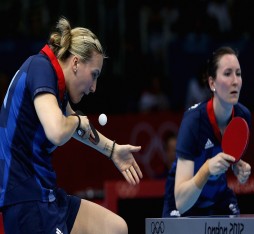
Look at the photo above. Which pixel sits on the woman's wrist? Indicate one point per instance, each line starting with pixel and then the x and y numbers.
pixel 79 130
pixel 112 150
pixel 79 120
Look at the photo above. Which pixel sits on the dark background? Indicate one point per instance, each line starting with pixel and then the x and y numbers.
pixel 170 39
pixel 142 39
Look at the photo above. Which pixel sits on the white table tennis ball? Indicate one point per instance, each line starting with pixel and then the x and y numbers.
pixel 102 119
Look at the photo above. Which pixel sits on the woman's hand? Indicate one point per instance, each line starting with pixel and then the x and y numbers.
pixel 242 171
pixel 126 164
pixel 220 163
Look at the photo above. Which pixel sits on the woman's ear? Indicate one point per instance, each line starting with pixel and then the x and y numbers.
pixel 75 64
pixel 211 83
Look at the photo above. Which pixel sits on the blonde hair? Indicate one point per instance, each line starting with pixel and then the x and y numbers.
pixel 78 41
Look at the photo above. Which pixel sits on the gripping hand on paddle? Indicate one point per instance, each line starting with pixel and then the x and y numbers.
pixel 242 171
pixel 220 163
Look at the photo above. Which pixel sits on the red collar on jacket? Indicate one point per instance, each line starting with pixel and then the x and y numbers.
pixel 59 72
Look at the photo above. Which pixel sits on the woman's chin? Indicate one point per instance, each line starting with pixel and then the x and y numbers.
pixel 75 100
pixel 235 101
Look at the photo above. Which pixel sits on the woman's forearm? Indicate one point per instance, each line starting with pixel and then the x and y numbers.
pixel 187 193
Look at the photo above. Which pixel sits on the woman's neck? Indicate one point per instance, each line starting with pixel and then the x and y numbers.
pixel 223 114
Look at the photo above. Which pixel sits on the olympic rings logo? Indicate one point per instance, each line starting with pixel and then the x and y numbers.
pixel 157 227
pixel 154 145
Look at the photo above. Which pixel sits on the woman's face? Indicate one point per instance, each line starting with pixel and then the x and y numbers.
pixel 85 77
pixel 228 80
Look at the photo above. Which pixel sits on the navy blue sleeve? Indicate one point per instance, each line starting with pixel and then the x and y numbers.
pixel 41 76
pixel 187 140
pixel 243 111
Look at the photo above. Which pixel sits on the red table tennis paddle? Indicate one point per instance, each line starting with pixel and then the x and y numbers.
pixel 235 138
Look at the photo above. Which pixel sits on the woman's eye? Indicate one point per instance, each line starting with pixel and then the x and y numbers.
pixel 94 76
pixel 239 74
